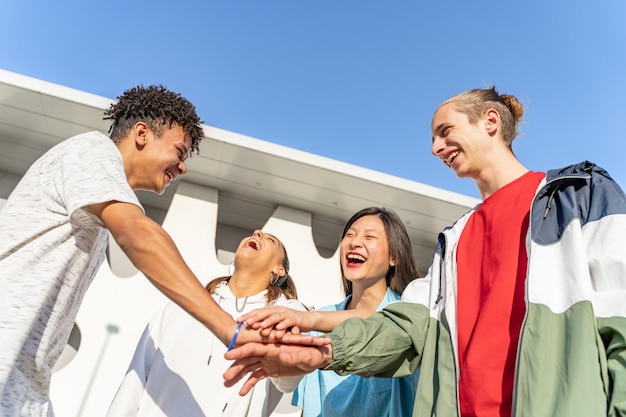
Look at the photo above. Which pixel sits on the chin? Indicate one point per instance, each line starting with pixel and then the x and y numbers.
pixel 459 172
pixel 159 191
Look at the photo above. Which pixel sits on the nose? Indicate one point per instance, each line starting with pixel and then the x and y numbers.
pixel 182 168
pixel 438 146
pixel 257 233
pixel 355 242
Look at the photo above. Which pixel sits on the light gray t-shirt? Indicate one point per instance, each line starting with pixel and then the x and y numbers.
pixel 51 246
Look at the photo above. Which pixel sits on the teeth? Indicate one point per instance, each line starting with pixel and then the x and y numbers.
pixel 451 157
pixel 253 244
pixel 355 257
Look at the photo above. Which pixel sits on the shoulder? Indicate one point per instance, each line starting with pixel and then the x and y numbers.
pixel 88 149
pixel 89 139
pixel 587 180
pixel 584 192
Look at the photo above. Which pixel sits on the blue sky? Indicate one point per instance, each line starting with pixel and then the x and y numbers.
pixel 353 80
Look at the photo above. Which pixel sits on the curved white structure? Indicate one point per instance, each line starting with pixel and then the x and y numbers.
pixel 237 184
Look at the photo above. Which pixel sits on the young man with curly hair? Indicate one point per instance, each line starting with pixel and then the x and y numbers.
pixel 53 236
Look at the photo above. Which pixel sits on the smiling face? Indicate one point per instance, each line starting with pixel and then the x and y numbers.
pixel 263 252
pixel 161 159
pixel 461 145
pixel 364 251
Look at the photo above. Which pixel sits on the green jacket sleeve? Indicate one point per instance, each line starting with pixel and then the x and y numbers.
pixel 613 332
pixel 388 344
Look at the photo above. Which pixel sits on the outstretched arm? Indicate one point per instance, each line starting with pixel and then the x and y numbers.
pixel 154 253
pixel 388 344
pixel 283 319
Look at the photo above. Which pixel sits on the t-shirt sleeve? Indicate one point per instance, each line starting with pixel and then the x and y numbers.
pixel 90 171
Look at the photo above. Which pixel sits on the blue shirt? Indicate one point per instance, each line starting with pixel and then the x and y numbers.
pixel 327 394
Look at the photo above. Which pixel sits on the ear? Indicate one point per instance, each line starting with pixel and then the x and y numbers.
pixel 392 262
pixel 491 119
pixel 140 134
pixel 279 270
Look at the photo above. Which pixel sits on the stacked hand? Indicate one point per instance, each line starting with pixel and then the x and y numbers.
pixel 271 345
pixel 277 321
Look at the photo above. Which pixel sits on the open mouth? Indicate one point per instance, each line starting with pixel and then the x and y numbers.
pixel 355 259
pixel 252 243
pixel 451 157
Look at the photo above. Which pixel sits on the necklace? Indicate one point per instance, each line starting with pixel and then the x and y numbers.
pixel 225 284
pixel 239 310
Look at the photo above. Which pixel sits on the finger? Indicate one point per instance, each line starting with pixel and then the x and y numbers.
pixel 255 377
pixel 260 314
pixel 273 320
pixel 253 325
pixel 254 316
pixel 302 339
pixel 246 350
pixel 285 323
pixel 278 334
pixel 239 369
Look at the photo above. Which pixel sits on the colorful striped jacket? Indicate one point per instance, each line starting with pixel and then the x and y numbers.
pixel 571 359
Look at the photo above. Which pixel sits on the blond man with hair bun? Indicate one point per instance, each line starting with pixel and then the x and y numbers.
pixel 523 311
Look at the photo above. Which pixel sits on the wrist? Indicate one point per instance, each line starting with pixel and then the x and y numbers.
pixel 315 320
pixel 327 355
pixel 233 340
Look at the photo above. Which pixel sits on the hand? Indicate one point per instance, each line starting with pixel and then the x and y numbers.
pixel 271 360
pixel 280 319
pixel 248 335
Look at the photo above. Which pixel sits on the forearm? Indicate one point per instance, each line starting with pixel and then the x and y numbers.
pixel 389 343
pixel 326 321
pixel 154 253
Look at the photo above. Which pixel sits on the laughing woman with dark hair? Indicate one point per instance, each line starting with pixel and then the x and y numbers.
pixel 377 264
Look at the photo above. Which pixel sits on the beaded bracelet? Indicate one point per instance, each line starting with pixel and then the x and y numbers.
pixel 232 342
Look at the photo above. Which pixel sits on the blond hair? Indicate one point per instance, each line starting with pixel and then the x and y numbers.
pixel 474 103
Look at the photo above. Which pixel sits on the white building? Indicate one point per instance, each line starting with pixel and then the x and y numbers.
pixel 237 184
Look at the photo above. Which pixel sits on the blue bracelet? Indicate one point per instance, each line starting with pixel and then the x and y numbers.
pixel 232 341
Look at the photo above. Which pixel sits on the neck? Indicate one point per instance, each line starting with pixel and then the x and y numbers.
pixel 243 284
pixel 367 297
pixel 125 148
pixel 499 174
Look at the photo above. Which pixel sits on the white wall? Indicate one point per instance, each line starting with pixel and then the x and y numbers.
pixel 116 309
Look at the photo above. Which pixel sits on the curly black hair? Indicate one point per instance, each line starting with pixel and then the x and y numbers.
pixel 159 108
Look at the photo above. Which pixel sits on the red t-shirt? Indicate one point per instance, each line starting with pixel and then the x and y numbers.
pixel 491 270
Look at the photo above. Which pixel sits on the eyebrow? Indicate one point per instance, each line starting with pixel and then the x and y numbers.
pixel 437 129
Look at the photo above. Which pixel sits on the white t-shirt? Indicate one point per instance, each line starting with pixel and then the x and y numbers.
pixel 51 246
pixel 178 365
